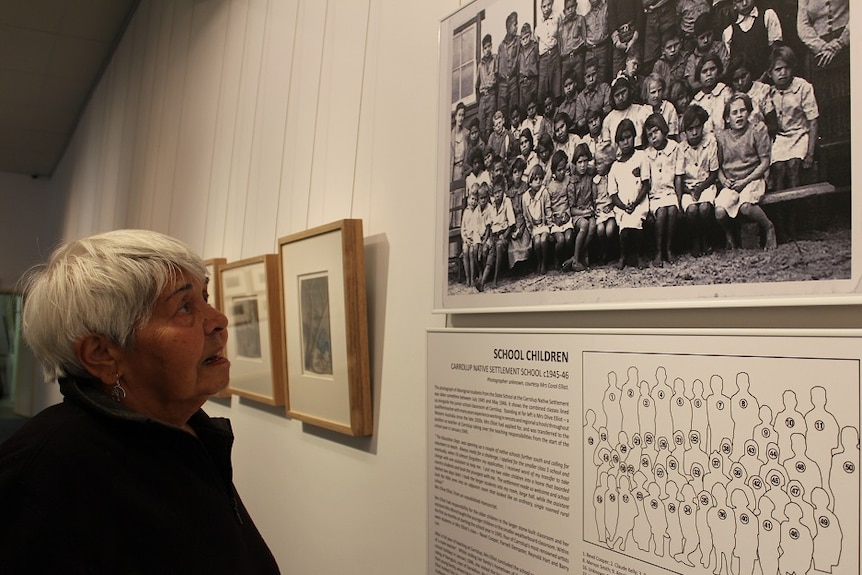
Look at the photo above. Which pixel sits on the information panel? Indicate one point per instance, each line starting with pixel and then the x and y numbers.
pixel 607 453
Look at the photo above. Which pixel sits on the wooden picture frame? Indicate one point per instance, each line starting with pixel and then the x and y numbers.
pixel 249 297
pixel 326 327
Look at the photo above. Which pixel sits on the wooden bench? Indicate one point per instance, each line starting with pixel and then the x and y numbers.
pixel 749 232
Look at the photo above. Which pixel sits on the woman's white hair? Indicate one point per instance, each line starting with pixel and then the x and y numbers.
pixel 106 284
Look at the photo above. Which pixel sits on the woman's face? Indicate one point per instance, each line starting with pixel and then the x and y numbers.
pixel 459 117
pixel 177 360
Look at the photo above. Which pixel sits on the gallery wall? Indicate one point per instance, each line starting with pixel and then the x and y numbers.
pixel 230 123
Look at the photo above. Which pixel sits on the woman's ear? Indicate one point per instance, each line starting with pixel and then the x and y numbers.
pixel 98 356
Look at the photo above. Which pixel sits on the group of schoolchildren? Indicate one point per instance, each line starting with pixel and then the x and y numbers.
pixel 699 136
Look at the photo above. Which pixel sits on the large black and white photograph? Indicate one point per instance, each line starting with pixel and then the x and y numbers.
pixel 631 153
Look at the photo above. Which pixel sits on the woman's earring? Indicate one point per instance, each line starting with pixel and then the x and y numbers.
pixel 118 394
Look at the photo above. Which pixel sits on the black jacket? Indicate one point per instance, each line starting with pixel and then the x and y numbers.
pixel 88 486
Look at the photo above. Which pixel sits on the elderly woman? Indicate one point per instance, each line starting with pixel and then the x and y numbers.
pixel 127 474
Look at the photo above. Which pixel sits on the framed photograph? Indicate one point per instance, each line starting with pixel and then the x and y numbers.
pixel 326 328
pixel 521 80
pixel 249 297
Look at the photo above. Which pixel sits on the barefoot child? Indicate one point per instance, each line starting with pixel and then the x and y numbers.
pixel 743 159
pixel 471 235
pixel 606 225
pixel 697 170
pixel 502 222
pixel 658 177
pixel 537 214
pixel 582 196
pixel 627 193
pixel 520 241
pixel 562 228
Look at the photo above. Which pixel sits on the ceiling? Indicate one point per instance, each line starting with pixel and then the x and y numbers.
pixel 52 54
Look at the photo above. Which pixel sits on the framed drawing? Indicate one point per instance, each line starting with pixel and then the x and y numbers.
pixel 248 291
pixel 513 93
pixel 325 327
pixel 212 266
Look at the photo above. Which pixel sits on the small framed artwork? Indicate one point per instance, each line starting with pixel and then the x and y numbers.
pixel 248 296
pixel 326 327
pixel 212 266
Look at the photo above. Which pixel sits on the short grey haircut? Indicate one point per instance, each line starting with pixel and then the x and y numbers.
pixel 106 284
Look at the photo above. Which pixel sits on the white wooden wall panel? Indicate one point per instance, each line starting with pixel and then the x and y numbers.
pixel 243 137
pixel 158 44
pixel 231 57
pixel 171 116
pixel 331 192
pixel 197 124
pixel 113 198
pixel 302 113
pixel 362 179
pixel 267 152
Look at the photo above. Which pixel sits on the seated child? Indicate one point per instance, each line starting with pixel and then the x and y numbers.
pixel 658 177
pixel 471 235
pixel 569 104
pixel 563 139
pixel 525 141
pixel 743 159
pixel 697 172
pixel 502 141
pixel 624 109
pixel 582 197
pixel 520 241
pixel 654 90
pixel 797 113
pixel 485 217
pixel 594 127
pixel 562 228
pixel 628 194
pixel 679 94
pixel 713 93
pixel 501 217
pixel 739 74
pixel 537 214
pixel 544 149
pixel 606 224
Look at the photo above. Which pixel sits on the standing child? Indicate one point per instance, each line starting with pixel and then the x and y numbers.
pixel 471 236
pixel 544 149
pixel 533 122
pixel 671 64
pixel 598 39
pixel 697 170
pixel 525 141
pixel 743 159
pixel 558 186
pixel 502 141
pixel 713 93
pixel 658 177
pixel 537 215
pixel 739 74
pixel 573 32
pixel 628 194
pixel 606 224
pixel 705 44
pixel 474 142
pixel 625 18
pixel 547 36
pixel 520 241
pixel 593 138
pixel 753 33
pixel 797 113
pixel 582 197
pixel 688 12
pixel 484 223
pixel 507 66
pixel 486 85
pixel 569 105
pixel 502 223
pixel 528 67
pixel 596 94
pixel 654 90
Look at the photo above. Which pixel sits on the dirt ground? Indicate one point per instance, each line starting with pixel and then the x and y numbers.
pixel 818 255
